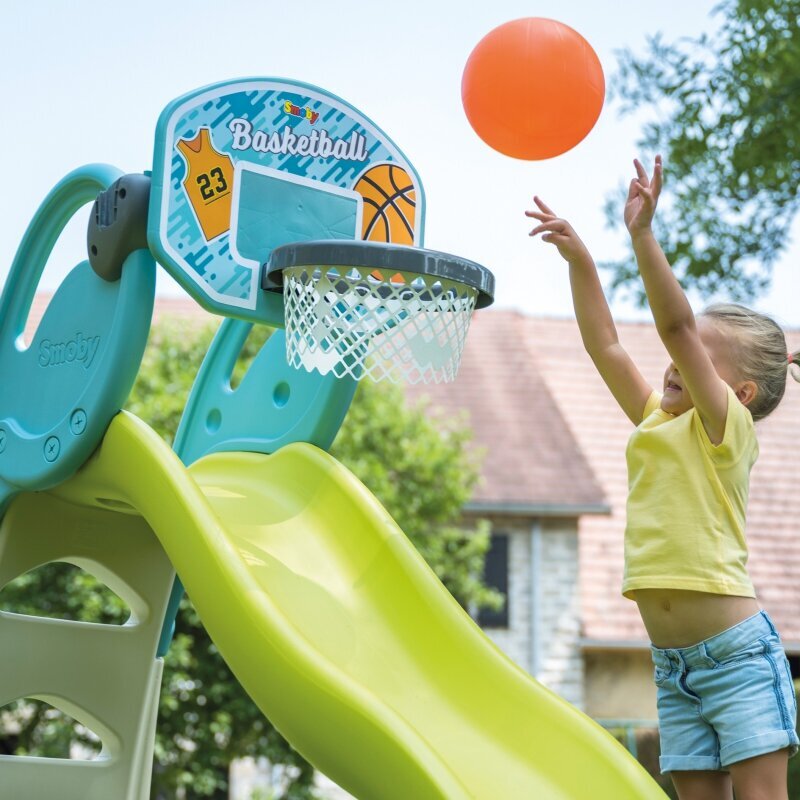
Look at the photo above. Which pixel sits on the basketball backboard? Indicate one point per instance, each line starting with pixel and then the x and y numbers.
pixel 244 166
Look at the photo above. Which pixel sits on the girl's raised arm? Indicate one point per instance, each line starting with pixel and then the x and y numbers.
pixel 595 322
pixel 675 321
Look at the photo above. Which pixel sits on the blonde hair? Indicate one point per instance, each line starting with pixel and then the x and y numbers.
pixel 759 352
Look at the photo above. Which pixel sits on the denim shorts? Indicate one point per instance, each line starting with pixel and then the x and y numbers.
pixel 725 699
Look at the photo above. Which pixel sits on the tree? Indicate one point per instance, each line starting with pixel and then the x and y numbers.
pixel 417 464
pixel 727 122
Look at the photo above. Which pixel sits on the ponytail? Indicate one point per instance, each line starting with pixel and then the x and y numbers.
pixel 794 364
pixel 760 352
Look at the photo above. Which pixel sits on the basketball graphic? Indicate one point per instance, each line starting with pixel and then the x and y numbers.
pixel 390 202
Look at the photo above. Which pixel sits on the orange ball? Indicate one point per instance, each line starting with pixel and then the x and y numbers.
pixel 533 88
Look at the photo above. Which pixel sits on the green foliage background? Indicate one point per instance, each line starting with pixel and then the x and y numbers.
pixel 722 110
pixel 418 464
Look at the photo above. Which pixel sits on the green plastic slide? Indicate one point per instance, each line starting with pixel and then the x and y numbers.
pixel 343 635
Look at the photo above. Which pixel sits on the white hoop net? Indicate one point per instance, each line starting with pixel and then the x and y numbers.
pixel 360 321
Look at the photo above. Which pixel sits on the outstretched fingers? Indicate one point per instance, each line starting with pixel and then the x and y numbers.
pixel 550 222
pixel 646 192
pixel 643 193
pixel 658 176
pixel 547 210
pixel 634 188
pixel 557 226
pixel 537 215
pixel 641 173
pixel 651 186
pixel 544 213
pixel 555 238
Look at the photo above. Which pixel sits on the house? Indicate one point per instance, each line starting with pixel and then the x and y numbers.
pixel 554 486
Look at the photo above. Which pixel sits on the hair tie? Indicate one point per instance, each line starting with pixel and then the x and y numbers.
pixel 790 358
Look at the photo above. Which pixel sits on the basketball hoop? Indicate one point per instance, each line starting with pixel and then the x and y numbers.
pixel 378 310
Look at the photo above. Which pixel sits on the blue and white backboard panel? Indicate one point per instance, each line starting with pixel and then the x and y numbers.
pixel 244 166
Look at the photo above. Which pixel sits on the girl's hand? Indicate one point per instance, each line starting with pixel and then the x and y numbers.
pixel 558 232
pixel 643 193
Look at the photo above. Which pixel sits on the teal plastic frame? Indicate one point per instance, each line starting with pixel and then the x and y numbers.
pixel 61 391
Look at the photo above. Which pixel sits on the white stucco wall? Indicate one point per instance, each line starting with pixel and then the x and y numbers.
pixel 543 634
pixel 515 640
pixel 560 657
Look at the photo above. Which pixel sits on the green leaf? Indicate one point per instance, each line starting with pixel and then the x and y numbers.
pixel 727 122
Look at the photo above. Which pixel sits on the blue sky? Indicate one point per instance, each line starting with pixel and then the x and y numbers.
pixel 86 81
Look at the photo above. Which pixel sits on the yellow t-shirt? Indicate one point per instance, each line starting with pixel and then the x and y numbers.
pixel 687 501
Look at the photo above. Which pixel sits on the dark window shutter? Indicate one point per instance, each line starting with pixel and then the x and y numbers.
pixel 495 575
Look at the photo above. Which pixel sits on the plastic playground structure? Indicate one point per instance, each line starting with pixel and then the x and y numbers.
pixel 271 202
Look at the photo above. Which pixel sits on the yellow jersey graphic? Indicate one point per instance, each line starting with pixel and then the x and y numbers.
pixel 208 183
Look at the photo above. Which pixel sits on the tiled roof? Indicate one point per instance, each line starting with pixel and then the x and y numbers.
pixel 531 458
pixel 554 440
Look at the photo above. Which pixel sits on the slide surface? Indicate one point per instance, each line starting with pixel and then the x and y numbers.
pixel 342 634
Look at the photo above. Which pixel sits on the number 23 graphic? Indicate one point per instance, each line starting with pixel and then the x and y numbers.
pixel 204 182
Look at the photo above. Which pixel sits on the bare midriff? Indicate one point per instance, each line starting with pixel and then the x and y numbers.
pixel 679 618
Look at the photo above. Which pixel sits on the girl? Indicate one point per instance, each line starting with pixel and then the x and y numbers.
pixel 726 703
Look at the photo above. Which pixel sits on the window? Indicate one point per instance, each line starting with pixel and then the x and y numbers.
pixel 495 575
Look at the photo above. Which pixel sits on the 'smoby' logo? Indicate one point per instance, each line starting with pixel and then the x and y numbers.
pixel 82 349
pixel 300 111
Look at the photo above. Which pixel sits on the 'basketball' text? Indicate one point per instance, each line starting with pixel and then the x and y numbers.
pixel 286 142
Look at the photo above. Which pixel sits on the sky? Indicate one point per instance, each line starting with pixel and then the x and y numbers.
pixel 85 82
